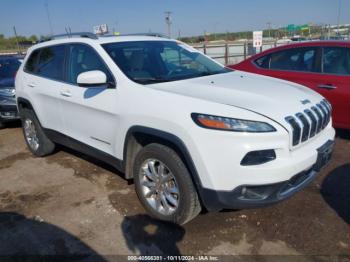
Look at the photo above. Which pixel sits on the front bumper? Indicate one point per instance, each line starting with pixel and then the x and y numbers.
pixel 253 196
pixel 8 112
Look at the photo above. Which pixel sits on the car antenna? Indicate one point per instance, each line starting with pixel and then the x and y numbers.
pixel 68 31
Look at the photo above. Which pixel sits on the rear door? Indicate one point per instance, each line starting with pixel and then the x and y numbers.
pixel 300 65
pixel 334 83
pixel 89 113
pixel 326 70
pixel 43 79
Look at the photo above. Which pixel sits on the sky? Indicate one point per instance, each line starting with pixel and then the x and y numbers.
pixel 189 17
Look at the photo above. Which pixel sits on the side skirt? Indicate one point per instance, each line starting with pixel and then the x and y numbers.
pixel 84 148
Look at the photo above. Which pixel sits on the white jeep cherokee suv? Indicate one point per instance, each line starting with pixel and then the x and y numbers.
pixel 191 133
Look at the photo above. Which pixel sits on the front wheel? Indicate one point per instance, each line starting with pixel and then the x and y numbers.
pixel 164 185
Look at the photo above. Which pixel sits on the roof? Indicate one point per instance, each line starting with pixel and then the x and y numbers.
pixel 316 43
pixel 93 39
pixel 127 38
pixel 340 43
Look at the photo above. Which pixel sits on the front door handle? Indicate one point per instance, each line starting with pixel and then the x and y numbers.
pixel 328 86
pixel 31 85
pixel 66 93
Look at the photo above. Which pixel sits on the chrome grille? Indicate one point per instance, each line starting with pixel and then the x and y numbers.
pixel 312 121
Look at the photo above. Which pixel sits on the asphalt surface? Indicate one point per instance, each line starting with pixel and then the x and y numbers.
pixel 71 204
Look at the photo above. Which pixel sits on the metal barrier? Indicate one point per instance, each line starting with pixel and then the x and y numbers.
pixel 233 53
pixel 225 53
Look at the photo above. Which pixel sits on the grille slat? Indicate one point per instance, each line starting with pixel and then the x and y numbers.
pixel 324 117
pixel 296 130
pixel 306 127
pixel 312 121
pixel 324 104
pixel 319 119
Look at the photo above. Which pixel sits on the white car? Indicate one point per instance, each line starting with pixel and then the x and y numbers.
pixel 191 133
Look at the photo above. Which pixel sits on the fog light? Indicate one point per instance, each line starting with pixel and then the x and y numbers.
pixel 250 193
pixel 258 157
pixel 257 192
pixel 8 114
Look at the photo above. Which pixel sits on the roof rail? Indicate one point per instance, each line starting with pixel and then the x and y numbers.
pixel 69 35
pixel 139 34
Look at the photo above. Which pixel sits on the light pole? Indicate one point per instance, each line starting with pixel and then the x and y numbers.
pixel 269 27
pixel 168 22
pixel 48 16
pixel 16 37
pixel 338 18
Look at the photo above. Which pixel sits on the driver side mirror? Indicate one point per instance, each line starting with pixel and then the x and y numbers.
pixel 95 78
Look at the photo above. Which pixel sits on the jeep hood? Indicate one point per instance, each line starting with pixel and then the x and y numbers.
pixel 271 97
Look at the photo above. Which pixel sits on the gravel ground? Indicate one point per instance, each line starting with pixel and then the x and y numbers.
pixel 71 204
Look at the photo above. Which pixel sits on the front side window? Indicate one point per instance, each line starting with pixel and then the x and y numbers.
pixel 148 62
pixel 263 62
pixel 51 62
pixel 83 58
pixel 296 59
pixel 336 60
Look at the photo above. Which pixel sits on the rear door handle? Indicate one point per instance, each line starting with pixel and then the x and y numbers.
pixel 31 85
pixel 66 93
pixel 329 86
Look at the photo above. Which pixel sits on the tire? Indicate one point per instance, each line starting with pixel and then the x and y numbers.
pixel 44 145
pixel 184 204
pixel 2 125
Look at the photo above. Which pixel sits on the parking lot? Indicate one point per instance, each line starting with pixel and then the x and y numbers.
pixel 70 204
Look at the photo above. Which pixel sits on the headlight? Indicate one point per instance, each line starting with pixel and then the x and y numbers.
pixel 231 124
pixel 10 92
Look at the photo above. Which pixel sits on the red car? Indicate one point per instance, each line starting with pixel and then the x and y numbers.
pixel 323 66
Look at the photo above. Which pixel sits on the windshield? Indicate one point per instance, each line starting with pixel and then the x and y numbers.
pixel 147 62
pixel 9 67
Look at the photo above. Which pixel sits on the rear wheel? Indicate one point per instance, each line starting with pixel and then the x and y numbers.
pixel 2 125
pixel 164 185
pixel 38 143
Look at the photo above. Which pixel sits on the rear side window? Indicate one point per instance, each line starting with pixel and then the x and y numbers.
pixel 83 58
pixel 32 60
pixel 51 62
pixel 9 67
pixel 336 60
pixel 296 59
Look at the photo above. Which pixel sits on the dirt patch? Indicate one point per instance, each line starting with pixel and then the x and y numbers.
pixel 85 202
pixel 123 197
pixel 81 167
pixel 15 201
pixel 8 161
pixel 95 205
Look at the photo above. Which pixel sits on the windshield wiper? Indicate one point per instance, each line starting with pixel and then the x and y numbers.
pixel 212 73
pixel 150 80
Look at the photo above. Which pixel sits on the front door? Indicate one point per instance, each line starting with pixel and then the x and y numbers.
pixel 89 113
